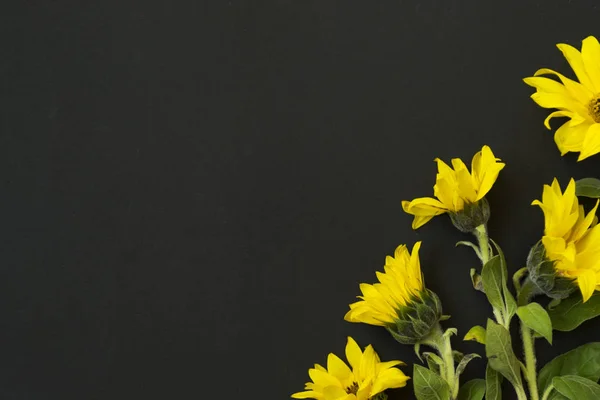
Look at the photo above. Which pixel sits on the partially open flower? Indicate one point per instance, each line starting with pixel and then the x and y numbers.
pixel 367 380
pixel 459 192
pixel 571 242
pixel 578 101
pixel 400 302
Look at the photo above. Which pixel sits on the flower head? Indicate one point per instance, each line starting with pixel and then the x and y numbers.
pixel 457 190
pixel 578 101
pixel 399 301
pixel 571 238
pixel 367 378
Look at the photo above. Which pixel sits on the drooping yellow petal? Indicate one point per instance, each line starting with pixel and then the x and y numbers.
pixel 573 89
pixel 423 209
pixel 307 395
pixel 591 142
pixel 389 379
pixel 586 281
pixel 570 138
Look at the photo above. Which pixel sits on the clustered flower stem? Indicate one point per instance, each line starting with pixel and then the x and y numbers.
pixel 524 294
pixel 441 343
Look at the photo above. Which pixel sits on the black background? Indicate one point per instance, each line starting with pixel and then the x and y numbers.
pixel 192 191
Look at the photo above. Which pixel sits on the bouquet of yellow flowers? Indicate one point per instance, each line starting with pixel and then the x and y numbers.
pixel 564 266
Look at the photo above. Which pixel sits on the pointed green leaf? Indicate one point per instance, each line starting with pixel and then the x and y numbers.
pixel 493 384
pixel 492 277
pixel 500 354
pixel 572 311
pixel 576 387
pixel 472 390
pixel 536 318
pixel 428 385
pixel 583 361
pixel 434 362
pixel 476 333
pixel 463 363
pixel 509 300
pixel 588 187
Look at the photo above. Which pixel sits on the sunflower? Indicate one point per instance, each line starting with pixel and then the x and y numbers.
pixel 398 287
pixel 571 238
pixel 578 101
pixel 368 377
pixel 456 189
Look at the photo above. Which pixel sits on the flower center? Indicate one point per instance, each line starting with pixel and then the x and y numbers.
pixel 352 389
pixel 594 108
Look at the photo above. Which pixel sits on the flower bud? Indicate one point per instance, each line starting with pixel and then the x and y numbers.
pixel 471 216
pixel 543 274
pixel 417 319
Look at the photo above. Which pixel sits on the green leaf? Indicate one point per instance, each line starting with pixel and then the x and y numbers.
pixel 572 312
pixel 434 362
pixel 428 385
pixel 493 384
pixel 500 354
pixel 583 361
pixel 492 277
pixel 463 363
pixel 576 387
pixel 536 318
pixel 472 390
pixel 476 333
pixel 509 300
pixel 588 187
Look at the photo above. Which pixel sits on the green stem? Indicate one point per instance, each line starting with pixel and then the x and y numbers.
pixel 529 351
pixel 520 393
pixel 448 357
pixel 441 343
pixel 547 392
pixel 526 292
pixel 484 244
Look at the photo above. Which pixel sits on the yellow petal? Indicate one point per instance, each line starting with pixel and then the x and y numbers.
pixel 353 353
pixel 590 53
pixel 389 379
pixel 423 209
pixel 591 142
pixel 337 367
pixel 575 60
pixel 334 392
pixel 557 114
pixel 586 281
pixel 576 90
pixel 570 138
pixel 487 169
pixel 306 395
pixel 367 363
pixel 466 189
pixel 323 378
pixel 555 100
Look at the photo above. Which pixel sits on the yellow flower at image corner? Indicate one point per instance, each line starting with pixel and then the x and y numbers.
pixel 399 285
pixel 456 187
pixel 578 101
pixel 571 238
pixel 367 378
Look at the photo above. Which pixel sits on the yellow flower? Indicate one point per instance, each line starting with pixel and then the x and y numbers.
pixel 398 287
pixel 571 238
pixel 367 378
pixel 578 101
pixel 456 188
